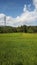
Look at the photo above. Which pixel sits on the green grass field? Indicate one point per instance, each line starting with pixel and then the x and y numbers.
pixel 18 49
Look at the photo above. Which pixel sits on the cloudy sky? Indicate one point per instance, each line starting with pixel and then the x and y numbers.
pixel 18 12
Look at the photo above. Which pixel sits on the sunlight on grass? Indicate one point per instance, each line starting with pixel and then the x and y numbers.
pixel 18 49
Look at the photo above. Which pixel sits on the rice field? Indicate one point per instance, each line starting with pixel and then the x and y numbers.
pixel 18 49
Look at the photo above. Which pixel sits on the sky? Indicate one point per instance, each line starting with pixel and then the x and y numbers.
pixel 14 7
pixel 18 12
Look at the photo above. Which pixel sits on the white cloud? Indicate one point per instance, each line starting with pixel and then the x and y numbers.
pixel 2 19
pixel 29 18
pixel 35 3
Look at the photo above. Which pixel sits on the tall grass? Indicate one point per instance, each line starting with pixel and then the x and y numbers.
pixel 18 49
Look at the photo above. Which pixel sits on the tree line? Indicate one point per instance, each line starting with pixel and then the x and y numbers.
pixel 24 28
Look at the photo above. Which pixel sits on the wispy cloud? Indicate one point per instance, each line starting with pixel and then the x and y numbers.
pixel 27 17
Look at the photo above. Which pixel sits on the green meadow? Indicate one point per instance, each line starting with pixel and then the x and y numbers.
pixel 18 49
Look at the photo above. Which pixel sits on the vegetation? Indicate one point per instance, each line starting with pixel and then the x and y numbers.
pixel 24 28
pixel 18 49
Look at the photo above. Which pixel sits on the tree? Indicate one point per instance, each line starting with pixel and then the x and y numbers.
pixel 30 30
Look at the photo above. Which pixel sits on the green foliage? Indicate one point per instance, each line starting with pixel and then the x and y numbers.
pixel 24 28
pixel 30 30
pixel 18 49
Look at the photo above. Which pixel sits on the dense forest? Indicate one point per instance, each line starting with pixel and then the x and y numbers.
pixel 24 28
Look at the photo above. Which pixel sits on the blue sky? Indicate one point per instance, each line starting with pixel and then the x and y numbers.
pixel 14 7
pixel 18 12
